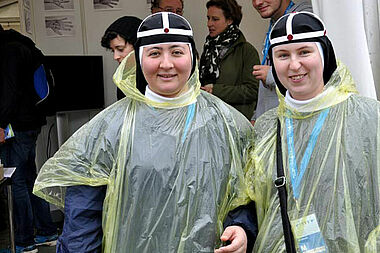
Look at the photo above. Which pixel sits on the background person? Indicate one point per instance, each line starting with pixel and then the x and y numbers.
pixel 174 6
pixel 331 169
pixel 120 37
pixel 227 58
pixel 153 172
pixel 272 9
pixel 17 107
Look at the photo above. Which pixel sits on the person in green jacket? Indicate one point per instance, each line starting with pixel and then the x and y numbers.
pixel 227 59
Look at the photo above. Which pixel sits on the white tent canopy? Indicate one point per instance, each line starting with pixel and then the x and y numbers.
pixel 346 23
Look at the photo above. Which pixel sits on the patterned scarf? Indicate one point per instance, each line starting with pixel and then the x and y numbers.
pixel 213 51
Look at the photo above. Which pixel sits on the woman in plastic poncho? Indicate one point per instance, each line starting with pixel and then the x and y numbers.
pixel 330 148
pixel 156 172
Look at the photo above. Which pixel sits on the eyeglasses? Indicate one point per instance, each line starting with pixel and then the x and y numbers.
pixel 170 9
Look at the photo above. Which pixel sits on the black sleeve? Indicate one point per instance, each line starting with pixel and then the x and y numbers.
pixel 82 229
pixel 14 63
pixel 245 217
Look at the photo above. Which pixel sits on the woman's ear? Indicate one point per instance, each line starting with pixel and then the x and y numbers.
pixel 229 21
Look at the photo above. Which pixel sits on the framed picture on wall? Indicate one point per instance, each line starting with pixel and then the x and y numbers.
pixel 56 5
pixel 59 26
pixel 106 4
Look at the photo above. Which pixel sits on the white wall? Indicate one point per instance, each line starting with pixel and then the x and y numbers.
pixel 90 25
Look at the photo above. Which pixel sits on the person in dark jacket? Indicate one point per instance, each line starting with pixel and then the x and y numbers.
pixel 227 59
pixel 120 37
pixel 18 111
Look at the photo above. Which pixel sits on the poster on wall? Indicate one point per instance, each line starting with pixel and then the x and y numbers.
pixel 59 26
pixel 56 5
pixel 28 25
pixel 106 4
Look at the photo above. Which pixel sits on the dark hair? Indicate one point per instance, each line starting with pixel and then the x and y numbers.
pixel 110 35
pixel 231 9
pixel 126 27
pixel 156 3
pixel 1 28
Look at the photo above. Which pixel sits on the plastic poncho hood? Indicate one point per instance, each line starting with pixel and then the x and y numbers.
pixel 173 171
pixel 339 190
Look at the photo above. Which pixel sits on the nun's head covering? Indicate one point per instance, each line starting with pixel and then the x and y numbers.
pixel 162 27
pixel 302 27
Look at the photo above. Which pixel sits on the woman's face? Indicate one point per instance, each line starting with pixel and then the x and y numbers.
pixel 216 21
pixel 120 48
pixel 167 68
pixel 299 68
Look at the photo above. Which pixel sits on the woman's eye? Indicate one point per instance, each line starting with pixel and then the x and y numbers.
pixel 304 52
pixel 177 52
pixel 153 53
pixel 282 56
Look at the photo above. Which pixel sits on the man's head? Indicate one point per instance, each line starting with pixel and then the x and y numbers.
pixel 175 6
pixel 271 8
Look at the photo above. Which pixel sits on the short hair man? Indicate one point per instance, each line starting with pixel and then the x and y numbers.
pixel 273 9
pixel 175 6
pixel 120 37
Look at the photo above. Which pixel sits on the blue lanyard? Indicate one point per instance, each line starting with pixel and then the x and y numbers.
pixel 189 119
pixel 295 174
pixel 267 42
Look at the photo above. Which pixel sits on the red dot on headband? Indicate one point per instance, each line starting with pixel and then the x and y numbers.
pixel 166 30
pixel 290 37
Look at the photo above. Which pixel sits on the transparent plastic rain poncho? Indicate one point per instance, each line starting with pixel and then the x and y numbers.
pixel 173 172
pixel 341 182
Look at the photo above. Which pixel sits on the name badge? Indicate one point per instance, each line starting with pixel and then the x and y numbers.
pixel 308 235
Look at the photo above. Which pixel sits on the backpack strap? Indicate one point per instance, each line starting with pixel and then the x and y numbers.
pixel 280 184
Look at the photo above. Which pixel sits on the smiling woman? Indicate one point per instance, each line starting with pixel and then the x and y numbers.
pixel 167 67
pixel 159 170
pixel 327 197
pixel 299 68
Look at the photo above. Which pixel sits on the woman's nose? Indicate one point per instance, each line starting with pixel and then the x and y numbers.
pixel 294 63
pixel 166 62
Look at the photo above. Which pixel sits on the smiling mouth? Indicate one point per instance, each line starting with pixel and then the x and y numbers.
pixel 262 9
pixel 166 75
pixel 297 77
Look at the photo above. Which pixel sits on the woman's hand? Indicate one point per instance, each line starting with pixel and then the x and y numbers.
pixel 208 87
pixel 236 235
pixel 260 72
